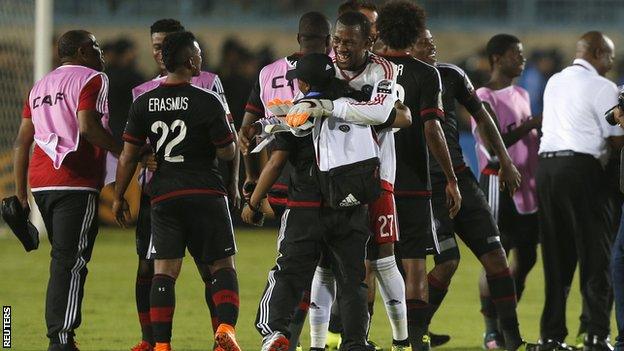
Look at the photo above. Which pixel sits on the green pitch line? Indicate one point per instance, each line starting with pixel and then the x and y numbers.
pixel 110 322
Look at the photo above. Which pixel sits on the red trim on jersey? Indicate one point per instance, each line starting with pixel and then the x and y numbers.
pixel 185 192
pixel 305 204
pixel 253 108
pixel 26 110
pixel 280 186
pixel 165 84
pixel 394 54
pixel 407 193
pixel 89 94
pixel 277 200
pixel 435 110
pixel 385 64
pixel 225 141
pixel 490 171
pixel 132 139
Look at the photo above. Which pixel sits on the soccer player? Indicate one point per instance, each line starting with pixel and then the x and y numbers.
pixel 301 240
pixel 145 272
pixel 65 116
pixel 313 37
pixel 474 222
pixel 188 129
pixel 399 24
pixel 515 213
pixel 364 70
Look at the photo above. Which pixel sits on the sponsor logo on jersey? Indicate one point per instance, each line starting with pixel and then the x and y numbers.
pixel 344 128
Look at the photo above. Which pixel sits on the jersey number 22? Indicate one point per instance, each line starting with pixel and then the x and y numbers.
pixel 164 129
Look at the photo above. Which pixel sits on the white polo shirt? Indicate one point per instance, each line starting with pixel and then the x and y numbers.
pixel 575 101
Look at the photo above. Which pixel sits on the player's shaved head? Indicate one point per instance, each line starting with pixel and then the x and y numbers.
pixel 178 48
pixel 597 49
pixel 314 33
pixel 71 41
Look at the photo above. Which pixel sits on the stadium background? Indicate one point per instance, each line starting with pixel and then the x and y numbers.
pixel 238 37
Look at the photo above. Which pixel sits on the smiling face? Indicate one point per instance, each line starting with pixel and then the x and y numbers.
pixel 424 49
pixel 350 45
pixel 511 63
pixel 157 40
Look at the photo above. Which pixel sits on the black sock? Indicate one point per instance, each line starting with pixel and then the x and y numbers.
pixel 214 318
pixel 401 342
pixel 142 293
pixel 162 305
pixel 418 313
pixel 488 310
pixel 503 294
pixel 437 293
pixel 335 323
pixel 225 295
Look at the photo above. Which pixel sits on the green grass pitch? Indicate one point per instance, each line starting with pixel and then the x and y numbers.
pixel 110 321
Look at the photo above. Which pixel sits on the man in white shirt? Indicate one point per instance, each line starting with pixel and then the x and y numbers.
pixel 572 191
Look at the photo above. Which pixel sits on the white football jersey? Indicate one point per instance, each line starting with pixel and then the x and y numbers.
pixel 379 76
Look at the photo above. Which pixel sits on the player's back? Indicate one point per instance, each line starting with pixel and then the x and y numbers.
pixel 185 125
pixel 415 77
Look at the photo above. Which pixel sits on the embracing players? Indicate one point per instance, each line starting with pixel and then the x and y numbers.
pixel 187 129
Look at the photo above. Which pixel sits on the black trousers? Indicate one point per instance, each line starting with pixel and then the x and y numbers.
pixel 304 234
pixel 574 227
pixel 70 218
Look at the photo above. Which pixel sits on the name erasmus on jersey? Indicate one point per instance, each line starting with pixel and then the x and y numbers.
pixel 168 104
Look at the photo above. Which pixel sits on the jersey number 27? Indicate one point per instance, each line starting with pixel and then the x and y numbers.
pixel 159 127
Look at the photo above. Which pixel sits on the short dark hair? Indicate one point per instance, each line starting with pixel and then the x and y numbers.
pixel 166 25
pixel 356 5
pixel 356 19
pixel 499 44
pixel 400 23
pixel 176 49
pixel 314 23
pixel 70 41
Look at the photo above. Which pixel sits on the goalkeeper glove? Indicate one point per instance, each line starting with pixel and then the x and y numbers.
pixel 278 107
pixel 306 108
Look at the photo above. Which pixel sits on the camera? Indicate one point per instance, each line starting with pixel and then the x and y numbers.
pixel 609 114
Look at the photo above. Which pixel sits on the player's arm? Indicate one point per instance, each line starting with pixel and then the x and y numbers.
pixel 92 130
pixel 254 110
pixel 509 177
pixel 431 112
pixel 90 110
pixel 227 152
pixel 269 175
pixel 512 136
pixel 21 156
pixel 126 166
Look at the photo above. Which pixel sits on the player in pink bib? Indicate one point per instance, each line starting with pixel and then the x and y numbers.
pixel 516 213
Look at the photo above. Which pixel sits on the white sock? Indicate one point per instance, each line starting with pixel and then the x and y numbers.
pixel 322 297
pixel 392 289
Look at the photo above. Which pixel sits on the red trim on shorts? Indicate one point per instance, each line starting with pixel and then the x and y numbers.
pixel 502 274
pixel 185 192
